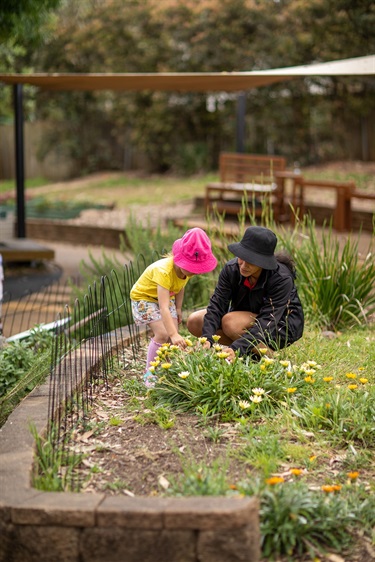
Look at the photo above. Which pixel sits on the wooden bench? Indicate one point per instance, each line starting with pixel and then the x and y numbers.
pixel 249 177
pixel 344 191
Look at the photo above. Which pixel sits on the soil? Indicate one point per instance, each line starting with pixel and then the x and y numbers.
pixel 131 454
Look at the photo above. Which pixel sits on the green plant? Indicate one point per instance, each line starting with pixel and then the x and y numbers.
pixel 200 479
pixel 15 360
pixel 159 415
pixel 335 283
pixel 296 520
pixel 347 414
pixel 214 434
pixel 54 467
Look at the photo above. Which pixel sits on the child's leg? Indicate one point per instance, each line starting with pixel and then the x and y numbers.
pixel 160 336
pixel 153 347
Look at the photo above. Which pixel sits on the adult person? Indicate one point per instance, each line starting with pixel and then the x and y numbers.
pixel 255 304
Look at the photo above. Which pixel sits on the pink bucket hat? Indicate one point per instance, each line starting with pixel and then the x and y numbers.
pixel 193 252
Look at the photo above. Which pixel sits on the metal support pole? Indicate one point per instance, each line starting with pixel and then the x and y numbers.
pixel 240 129
pixel 19 158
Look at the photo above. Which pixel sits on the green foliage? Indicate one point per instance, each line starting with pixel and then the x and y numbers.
pixel 200 479
pixel 15 360
pixel 295 519
pixel 347 414
pixel 53 467
pixel 335 282
pixel 186 131
pixel 202 380
pixel 23 365
pixel 18 17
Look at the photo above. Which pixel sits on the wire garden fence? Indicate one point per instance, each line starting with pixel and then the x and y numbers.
pixel 90 335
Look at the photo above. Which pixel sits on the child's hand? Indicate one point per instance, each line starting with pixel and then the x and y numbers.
pixel 178 340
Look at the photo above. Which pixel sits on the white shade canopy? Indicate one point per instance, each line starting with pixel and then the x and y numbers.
pixel 192 82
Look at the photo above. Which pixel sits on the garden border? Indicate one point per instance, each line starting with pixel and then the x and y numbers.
pixel 71 527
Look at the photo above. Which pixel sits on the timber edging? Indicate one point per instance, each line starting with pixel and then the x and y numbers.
pixel 81 527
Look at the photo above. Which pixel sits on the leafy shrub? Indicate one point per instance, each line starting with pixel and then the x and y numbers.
pixel 23 364
pixel 15 359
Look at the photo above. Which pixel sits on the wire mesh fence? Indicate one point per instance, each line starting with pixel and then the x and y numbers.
pixel 90 334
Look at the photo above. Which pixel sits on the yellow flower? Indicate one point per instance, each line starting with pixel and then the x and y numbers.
pixel 155 363
pixel 152 368
pixel 183 374
pixel 244 404
pixel 312 363
pixel 312 458
pixel 363 381
pixel 216 338
pixel 258 391
pixel 291 389
pixel 285 363
pixel 289 374
pixel 328 405
pixel 263 367
pixel 353 475
pixel 222 354
pixel 351 376
pixel 296 471
pixel 309 379
pixel 188 342
pixel 256 399
pixel 166 365
pixel 274 480
pixel 352 386
pixel 328 379
pixel 268 361
pixel 262 350
pixel 361 368
pixel 309 372
pixel 202 340
pixel 217 347
pixel 174 347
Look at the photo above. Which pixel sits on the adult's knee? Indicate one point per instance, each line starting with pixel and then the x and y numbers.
pixel 194 323
pixel 230 326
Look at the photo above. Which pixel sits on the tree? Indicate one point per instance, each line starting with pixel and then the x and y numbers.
pixel 294 118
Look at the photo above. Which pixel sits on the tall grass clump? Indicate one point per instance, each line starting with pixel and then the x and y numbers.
pixel 335 282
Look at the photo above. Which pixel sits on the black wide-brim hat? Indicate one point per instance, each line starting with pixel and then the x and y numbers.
pixel 256 247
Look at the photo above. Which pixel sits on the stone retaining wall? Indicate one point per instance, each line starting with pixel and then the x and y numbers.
pixel 71 527
pixel 63 231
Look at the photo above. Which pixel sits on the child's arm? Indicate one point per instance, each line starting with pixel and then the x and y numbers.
pixel 179 298
pixel 169 324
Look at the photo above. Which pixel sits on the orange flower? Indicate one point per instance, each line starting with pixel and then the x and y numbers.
pixel 296 471
pixel 353 475
pixel 274 480
pixel 329 488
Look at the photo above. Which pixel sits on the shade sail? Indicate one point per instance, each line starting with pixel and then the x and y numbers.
pixel 192 82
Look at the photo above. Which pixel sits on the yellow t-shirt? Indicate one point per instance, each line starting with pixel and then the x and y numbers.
pixel 160 273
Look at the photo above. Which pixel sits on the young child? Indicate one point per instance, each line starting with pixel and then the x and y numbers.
pixel 157 296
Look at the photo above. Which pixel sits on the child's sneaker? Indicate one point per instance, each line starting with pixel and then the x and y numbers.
pixel 149 379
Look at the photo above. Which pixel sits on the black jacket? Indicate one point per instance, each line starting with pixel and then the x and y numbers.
pixel 280 319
